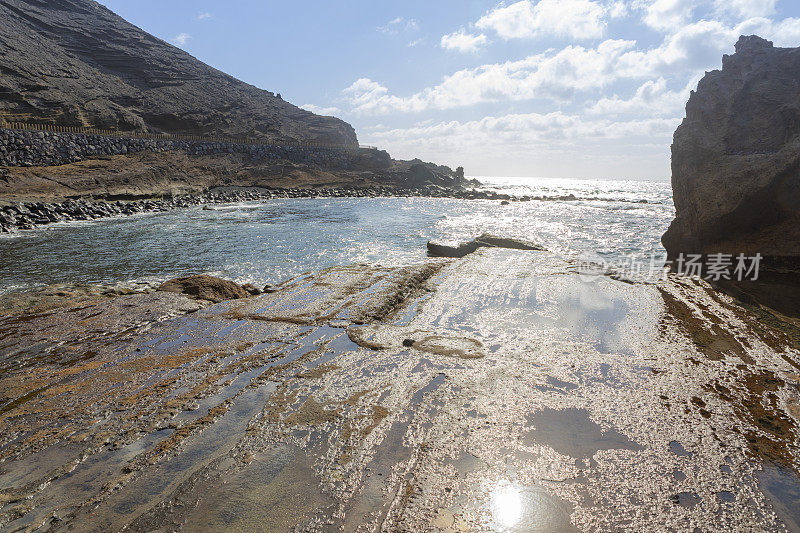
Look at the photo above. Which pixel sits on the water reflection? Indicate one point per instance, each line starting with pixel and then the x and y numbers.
pixel 518 508
pixel 507 505
pixel 782 486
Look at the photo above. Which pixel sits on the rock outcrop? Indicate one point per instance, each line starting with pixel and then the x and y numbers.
pixel 736 166
pixel 483 241
pixel 210 288
pixel 76 63
pixel 417 173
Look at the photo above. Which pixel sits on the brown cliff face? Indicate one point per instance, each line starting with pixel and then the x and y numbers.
pixel 75 63
pixel 736 156
pixel 736 164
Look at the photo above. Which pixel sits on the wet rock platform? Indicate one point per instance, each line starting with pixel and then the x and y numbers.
pixel 499 392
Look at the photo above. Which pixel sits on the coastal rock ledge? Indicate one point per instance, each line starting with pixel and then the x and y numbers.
pixel 736 169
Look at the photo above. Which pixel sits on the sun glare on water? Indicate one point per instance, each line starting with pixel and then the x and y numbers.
pixel 507 505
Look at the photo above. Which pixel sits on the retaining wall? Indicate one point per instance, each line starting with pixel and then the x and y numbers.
pixel 23 148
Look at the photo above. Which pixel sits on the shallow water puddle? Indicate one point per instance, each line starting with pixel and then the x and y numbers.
pixel 271 492
pixel 782 485
pixel 571 432
pixel 518 508
pixel 389 471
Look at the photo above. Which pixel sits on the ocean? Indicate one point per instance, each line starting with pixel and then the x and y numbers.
pixel 271 241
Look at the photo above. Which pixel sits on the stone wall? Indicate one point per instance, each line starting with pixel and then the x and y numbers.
pixel 22 148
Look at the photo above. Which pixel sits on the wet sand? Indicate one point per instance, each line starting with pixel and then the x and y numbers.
pixel 499 392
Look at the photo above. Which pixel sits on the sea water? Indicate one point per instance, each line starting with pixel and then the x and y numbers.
pixel 273 240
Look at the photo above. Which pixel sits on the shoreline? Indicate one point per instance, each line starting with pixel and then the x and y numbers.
pixel 31 215
pixel 28 215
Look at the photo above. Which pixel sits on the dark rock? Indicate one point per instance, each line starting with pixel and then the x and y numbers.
pixel 203 287
pixel 420 174
pixel 736 170
pixel 734 157
pixel 504 242
pixel 442 250
pixel 251 289
pixel 484 241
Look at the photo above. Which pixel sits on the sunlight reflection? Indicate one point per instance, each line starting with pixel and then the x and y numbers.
pixel 506 505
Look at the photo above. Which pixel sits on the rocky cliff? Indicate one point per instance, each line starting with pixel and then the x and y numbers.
pixel 76 63
pixel 736 164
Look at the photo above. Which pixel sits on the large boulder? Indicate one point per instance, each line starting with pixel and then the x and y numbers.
pixel 203 287
pixel 371 159
pixel 736 164
pixel 417 173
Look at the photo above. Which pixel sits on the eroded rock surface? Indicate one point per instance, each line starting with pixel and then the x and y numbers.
pixel 210 288
pixel 735 157
pixel 596 405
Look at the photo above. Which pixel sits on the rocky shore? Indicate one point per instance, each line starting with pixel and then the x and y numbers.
pixel 30 215
pixel 401 399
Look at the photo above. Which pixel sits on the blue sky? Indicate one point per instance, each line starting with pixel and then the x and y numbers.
pixel 552 88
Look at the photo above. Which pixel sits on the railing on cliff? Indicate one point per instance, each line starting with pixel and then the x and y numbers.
pixel 27 126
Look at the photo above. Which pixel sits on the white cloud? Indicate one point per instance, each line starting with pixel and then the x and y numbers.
pixel 205 15
pixel 548 75
pixel 618 9
pixel 671 15
pixel 319 110
pixel 667 15
pixel 562 74
pixel 695 46
pixel 416 42
pixel 399 25
pixel 463 42
pixel 651 99
pixel 700 45
pixel 367 95
pixel 745 9
pixel 575 19
pixel 553 143
pixel 181 39
pixel 785 33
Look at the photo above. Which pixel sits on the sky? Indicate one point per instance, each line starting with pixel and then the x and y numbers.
pixel 541 88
